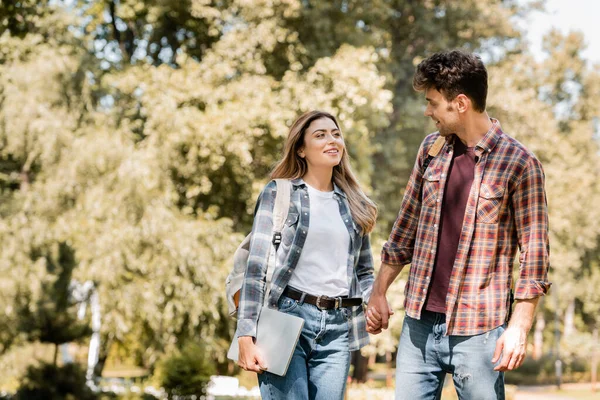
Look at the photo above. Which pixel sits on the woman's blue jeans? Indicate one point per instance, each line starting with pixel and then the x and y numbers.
pixel 425 356
pixel 319 367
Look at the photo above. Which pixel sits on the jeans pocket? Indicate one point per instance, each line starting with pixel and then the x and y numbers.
pixel 286 304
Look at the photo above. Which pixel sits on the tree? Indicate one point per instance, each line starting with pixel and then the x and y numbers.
pixel 50 317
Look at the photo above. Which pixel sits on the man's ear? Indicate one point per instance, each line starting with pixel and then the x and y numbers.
pixel 463 103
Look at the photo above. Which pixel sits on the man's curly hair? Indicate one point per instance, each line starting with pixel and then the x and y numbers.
pixel 452 73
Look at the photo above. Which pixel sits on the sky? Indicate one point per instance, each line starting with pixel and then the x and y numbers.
pixel 567 15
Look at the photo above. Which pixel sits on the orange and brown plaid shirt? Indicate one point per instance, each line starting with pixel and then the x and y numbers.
pixel 506 211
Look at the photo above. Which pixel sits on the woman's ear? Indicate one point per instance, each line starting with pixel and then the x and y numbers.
pixel 301 153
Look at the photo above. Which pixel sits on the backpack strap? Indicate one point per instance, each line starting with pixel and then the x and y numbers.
pixel 280 212
pixel 282 206
pixel 434 150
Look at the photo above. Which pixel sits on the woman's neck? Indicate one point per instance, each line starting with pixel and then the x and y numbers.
pixel 319 179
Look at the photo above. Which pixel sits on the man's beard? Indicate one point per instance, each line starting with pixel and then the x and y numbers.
pixel 446 130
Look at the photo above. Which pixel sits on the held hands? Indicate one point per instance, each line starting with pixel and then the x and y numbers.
pixel 512 346
pixel 249 357
pixel 378 314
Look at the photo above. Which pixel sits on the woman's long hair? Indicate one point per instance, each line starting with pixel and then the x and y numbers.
pixel 292 166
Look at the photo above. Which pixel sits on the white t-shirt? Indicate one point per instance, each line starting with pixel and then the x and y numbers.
pixel 322 266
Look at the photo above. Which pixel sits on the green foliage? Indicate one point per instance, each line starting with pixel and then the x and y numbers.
pixel 138 134
pixel 49 382
pixel 543 371
pixel 52 318
pixel 186 372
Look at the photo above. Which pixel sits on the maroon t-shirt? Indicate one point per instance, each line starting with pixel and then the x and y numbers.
pixel 458 186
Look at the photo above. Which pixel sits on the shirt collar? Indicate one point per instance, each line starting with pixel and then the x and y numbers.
pixel 491 138
pixel 299 182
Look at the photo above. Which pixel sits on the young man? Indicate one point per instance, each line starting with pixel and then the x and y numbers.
pixel 463 217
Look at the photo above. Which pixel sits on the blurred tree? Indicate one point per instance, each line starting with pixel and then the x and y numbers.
pixel 49 382
pixel 139 133
pixel 551 107
pixel 153 167
pixel 51 318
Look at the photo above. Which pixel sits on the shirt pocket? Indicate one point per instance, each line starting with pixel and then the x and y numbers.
pixel 431 189
pixel 490 203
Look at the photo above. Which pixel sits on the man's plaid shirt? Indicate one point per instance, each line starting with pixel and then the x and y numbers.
pixel 359 266
pixel 506 210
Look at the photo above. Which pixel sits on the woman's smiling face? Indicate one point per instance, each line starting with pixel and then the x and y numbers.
pixel 323 144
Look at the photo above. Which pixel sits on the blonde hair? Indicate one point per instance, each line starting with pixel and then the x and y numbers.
pixel 292 166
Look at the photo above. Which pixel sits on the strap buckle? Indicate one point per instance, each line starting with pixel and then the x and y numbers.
pixel 318 302
pixel 338 302
pixel 276 238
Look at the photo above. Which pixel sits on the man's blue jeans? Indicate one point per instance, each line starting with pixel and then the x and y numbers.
pixel 425 356
pixel 319 367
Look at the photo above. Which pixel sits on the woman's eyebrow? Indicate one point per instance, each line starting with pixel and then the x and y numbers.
pixel 324 130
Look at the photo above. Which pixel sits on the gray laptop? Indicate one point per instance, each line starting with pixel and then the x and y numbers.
pixel 276 336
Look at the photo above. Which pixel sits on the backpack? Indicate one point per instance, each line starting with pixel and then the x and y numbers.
pixel 235 279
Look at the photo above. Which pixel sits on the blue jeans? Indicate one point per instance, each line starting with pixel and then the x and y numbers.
pixel 425 356
pixel 319 367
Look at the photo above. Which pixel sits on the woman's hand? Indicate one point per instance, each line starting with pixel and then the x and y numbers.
pixel 249 357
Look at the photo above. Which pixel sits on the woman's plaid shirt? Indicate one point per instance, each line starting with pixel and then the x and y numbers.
pixel 506 210
pixel 359 266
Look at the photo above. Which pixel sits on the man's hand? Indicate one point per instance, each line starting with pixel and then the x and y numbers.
pixel 378 309
pixel 512 345
pixel 378 313
pixel 249 357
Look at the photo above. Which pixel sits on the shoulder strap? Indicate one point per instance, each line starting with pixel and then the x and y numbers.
pixel 282 206
pixel 434 150
pixel 280 212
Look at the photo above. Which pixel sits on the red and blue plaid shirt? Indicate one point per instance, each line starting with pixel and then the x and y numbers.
pixel 506 210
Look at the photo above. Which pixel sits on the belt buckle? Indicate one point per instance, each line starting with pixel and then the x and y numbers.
pixel 318 302
pixel 338 303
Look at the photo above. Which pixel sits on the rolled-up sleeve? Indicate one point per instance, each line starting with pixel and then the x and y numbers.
pixel 398 250
pixel 531 220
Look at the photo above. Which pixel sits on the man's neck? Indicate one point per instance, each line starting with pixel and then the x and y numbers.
pixel 474 129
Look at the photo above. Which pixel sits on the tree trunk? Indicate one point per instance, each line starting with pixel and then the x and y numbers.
pixel 569 319
pixel 595 360
pixel 55 354
pixel 361 367
pixel 538 336
pixel 105 345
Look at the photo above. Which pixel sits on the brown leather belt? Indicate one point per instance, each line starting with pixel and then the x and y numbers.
pixel 322 302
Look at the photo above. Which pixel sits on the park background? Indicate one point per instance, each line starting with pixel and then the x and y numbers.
pixel 135 137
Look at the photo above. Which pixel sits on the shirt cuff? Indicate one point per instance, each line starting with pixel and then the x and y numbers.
pixel 246 327
pixel 391 255
pixel 530 289
pixel 366 296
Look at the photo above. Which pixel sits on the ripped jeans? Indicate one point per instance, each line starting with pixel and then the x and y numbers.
pixel 425 356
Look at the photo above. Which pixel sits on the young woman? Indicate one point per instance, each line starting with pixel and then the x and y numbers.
pixel 324 254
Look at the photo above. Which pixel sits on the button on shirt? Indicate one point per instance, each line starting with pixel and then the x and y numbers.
pixel 456 194
pixel 506 210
